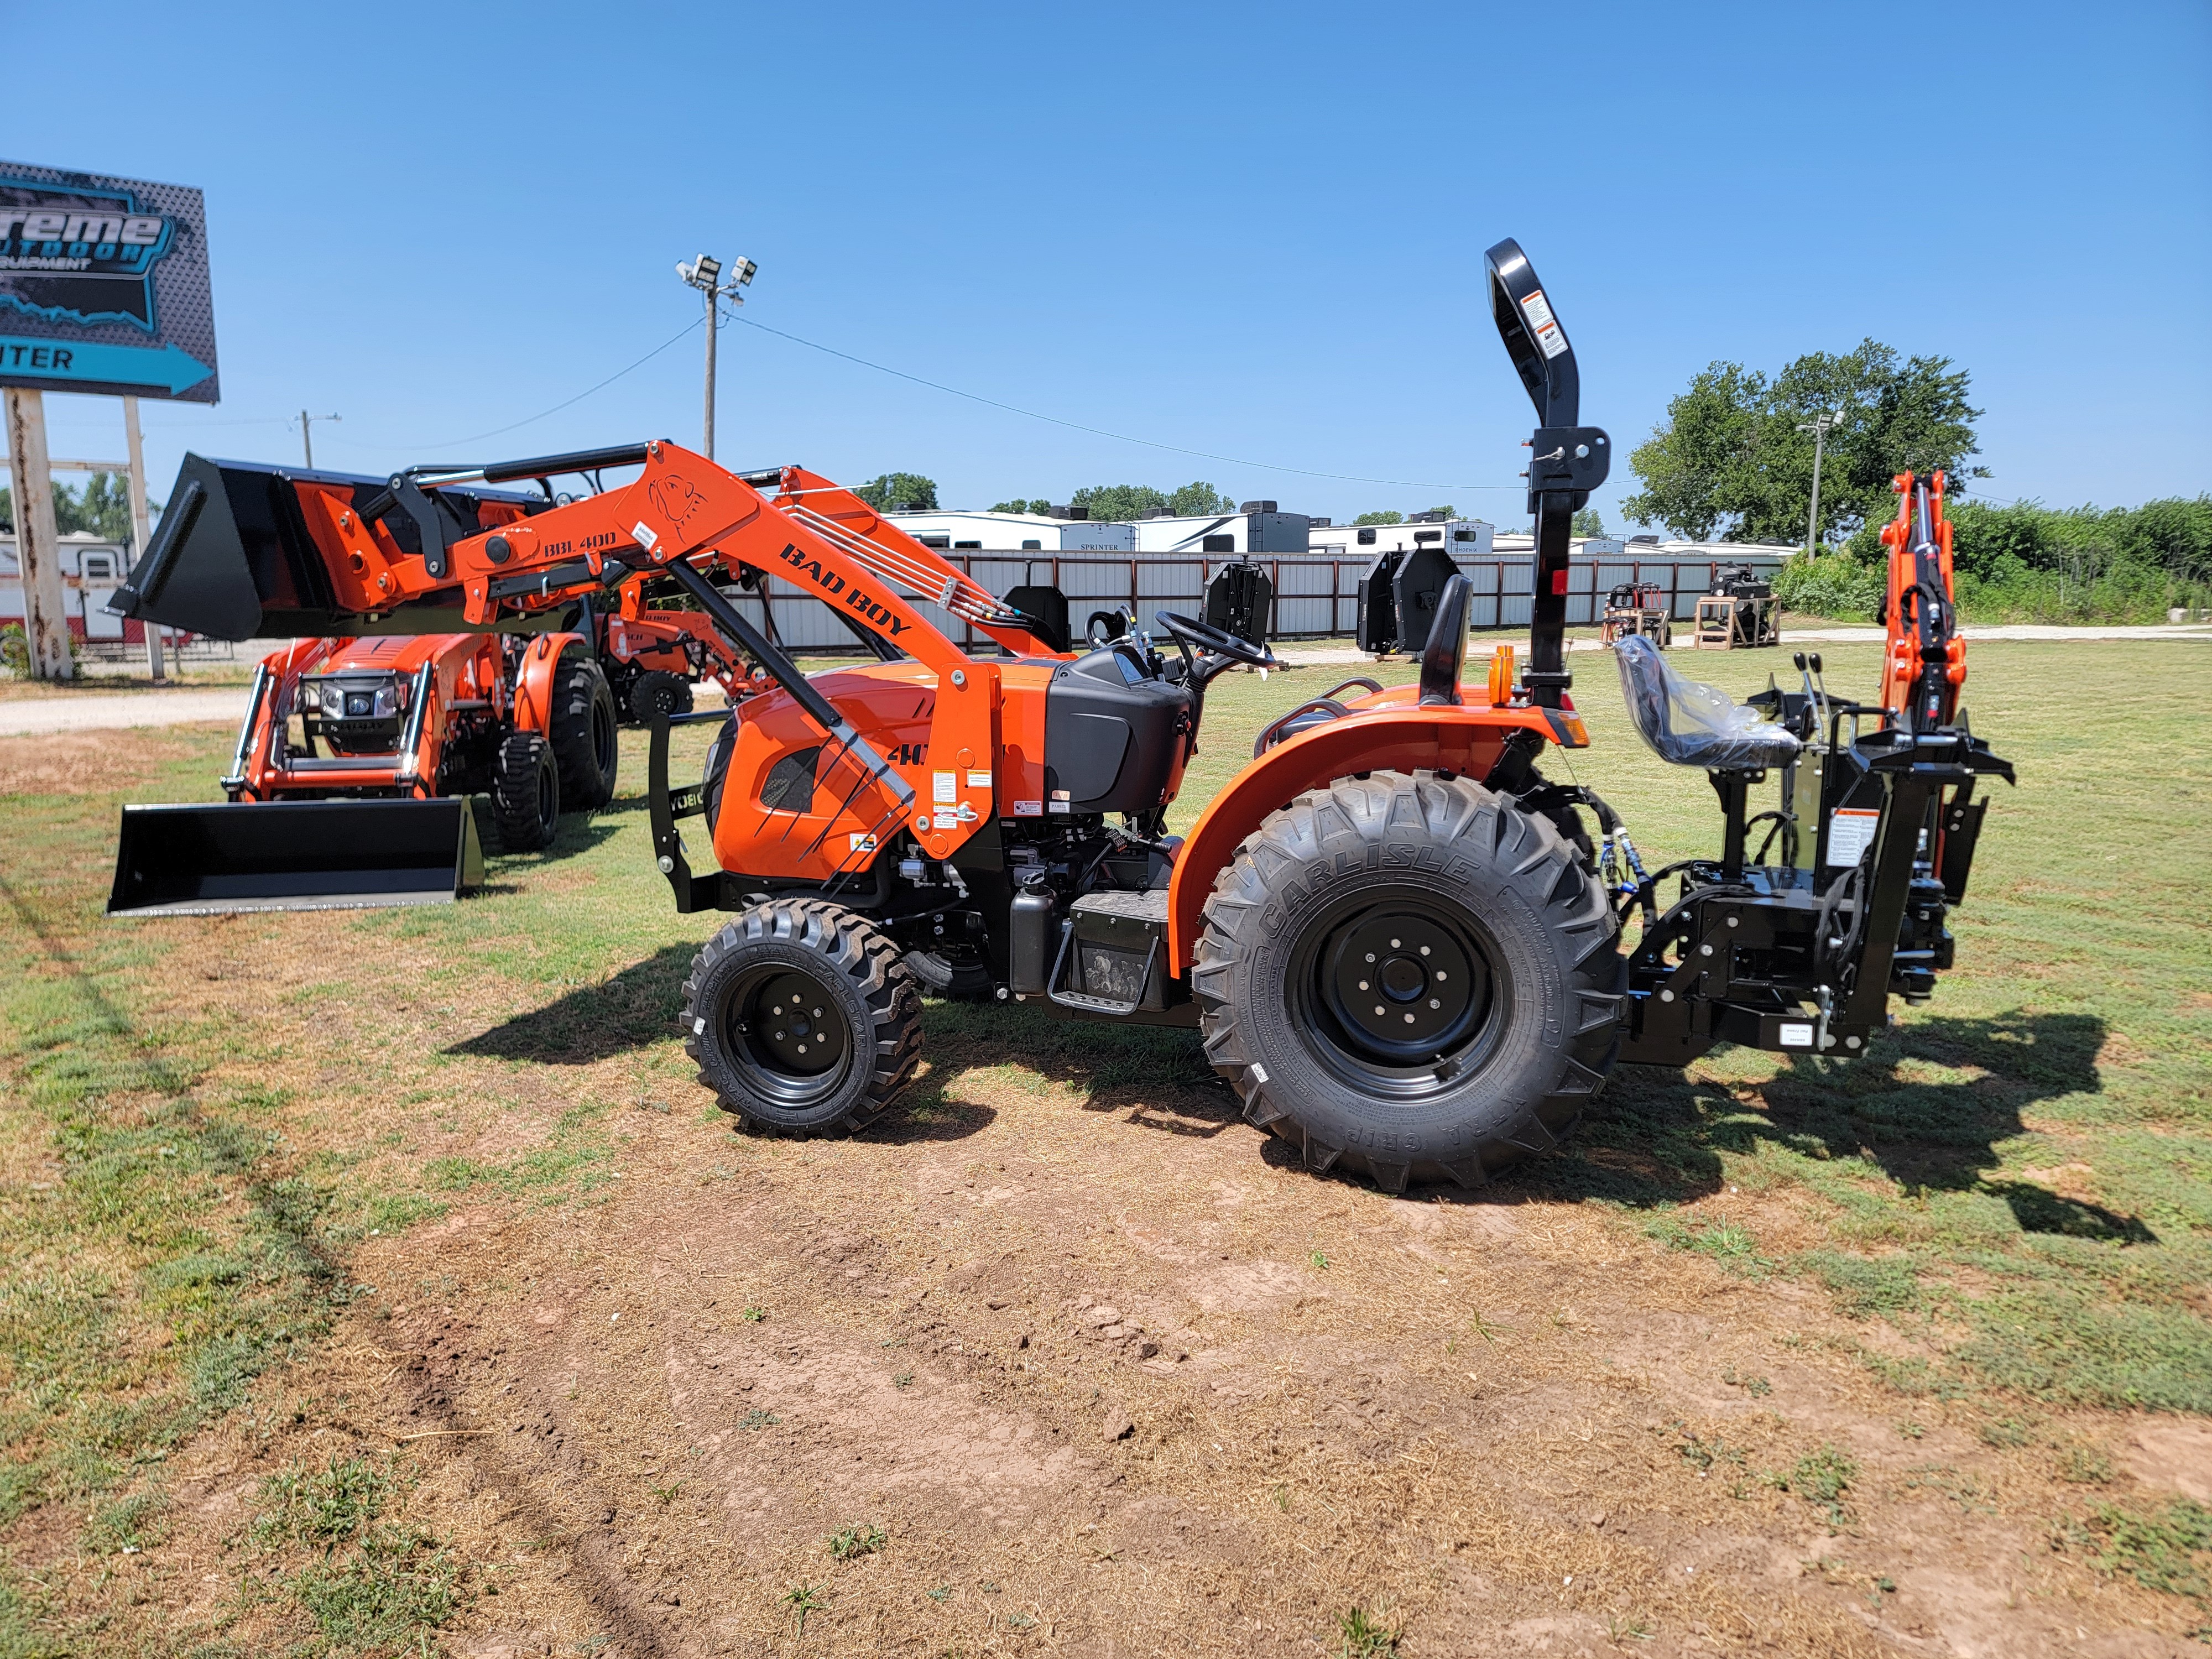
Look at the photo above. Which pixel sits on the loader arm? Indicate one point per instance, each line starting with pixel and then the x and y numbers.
pixel 377 550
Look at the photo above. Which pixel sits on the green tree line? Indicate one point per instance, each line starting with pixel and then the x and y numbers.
pixel 2024 561
pixel 101 507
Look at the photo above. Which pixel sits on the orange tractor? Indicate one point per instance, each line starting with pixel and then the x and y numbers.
pixel 1399 940
pixel 356 750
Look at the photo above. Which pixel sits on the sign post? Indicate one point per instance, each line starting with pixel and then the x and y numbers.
pixel 141 527
pixel 103 289
pixel 38 545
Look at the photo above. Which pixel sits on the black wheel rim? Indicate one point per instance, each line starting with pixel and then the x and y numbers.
pixel 1398 995
pixel 549 796
pixel 786 1034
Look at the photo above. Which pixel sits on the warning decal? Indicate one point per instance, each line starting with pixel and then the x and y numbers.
pixel 1850 832
pixel 1543 325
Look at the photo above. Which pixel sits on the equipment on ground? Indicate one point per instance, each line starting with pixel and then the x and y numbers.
pixel 1740 612
pixel 1638 607
pixel 1400 941
pixel 1241 600
pixel 1401 593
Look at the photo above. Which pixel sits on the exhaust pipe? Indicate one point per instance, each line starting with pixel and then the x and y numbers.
pixel 200 861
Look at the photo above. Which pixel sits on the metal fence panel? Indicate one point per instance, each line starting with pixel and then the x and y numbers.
pixel 1316 597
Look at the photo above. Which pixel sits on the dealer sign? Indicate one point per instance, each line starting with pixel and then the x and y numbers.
pixel 104 286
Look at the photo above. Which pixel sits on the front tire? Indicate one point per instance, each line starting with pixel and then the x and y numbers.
pixel 802 1019
pixel 586 736
pixel 1407 975
pixel 657 689
pixel 526 793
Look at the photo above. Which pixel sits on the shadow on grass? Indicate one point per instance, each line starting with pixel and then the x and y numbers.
pixel 577 834
pixel 639 1007
pixel 1929 1108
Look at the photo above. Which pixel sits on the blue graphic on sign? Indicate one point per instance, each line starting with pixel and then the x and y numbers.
pixel 168 366
pixel 79 256
pixel 104 286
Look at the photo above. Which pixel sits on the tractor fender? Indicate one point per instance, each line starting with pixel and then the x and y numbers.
pixel 533 682
pixel 1403 737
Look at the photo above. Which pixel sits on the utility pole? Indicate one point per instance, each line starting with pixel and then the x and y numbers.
pixel 308 436
pixel 1817 426
pixel 705 273
pixel 141 527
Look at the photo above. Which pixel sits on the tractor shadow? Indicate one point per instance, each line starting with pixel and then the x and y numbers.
pixel 1154 1077
pixel 1929 1107
pixel 576 834
pixel 635 1009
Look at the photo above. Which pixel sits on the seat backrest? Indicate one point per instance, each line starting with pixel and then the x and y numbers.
pixel 1444 658
pixel 1693 724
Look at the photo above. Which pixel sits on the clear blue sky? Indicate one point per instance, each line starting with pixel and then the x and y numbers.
pixel 1253 230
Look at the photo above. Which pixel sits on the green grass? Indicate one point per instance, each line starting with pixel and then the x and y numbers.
pixel 2071 1037
pixel 2020 1177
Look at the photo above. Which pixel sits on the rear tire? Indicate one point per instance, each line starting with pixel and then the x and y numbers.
pixel 1407 975
pixel 657 688
pixel 526 793
pixel 802 1019
pixel 586 735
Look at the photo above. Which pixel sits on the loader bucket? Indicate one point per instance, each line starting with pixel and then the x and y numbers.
pixel 295 855
pixel 235 559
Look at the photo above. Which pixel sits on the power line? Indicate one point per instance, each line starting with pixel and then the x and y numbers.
pixel 479 437
pixel 1100 432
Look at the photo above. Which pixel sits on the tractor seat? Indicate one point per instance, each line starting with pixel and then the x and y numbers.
pixel 1693 724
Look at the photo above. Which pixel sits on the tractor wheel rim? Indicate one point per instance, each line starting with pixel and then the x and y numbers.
pixel 787 1034
pixel 549 798
pixel 1399 995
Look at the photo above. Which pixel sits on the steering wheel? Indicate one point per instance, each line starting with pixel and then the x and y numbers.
pixel 1188 631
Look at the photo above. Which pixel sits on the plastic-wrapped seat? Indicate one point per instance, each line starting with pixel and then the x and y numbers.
pixel 1692 724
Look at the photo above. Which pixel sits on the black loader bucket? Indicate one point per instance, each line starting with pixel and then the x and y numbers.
pixel 234 558
pixel 294 856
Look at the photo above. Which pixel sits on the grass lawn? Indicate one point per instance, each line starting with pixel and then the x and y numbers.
pixel 279 1193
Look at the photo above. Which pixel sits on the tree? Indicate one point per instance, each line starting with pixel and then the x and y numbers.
pixel 101 508
pixel 1729 456
pixel 1380 518
pixel 1117 504
pixel 890 490
pixel 1199 499
pixel 1590 522
pixel 1114 503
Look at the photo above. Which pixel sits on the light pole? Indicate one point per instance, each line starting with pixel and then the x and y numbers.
pixel 1817 426
pixel 705 273
pixel 308 435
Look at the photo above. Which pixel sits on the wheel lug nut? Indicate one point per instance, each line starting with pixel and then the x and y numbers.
pixel 1362 984
pixel 1424 949
pixel 1434 1003
pixel 1378 1007
pixel 1409 1019
pixel 1393 943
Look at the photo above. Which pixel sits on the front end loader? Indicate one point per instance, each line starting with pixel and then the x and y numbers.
pixel 349 783
pixel 1400 940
